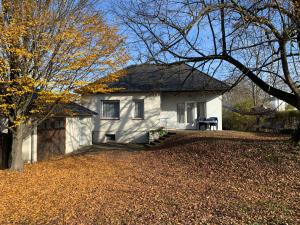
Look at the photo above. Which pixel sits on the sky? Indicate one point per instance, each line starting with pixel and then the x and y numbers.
pixel 135 47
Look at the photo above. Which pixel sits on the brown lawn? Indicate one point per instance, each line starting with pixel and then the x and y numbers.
pixel 194 178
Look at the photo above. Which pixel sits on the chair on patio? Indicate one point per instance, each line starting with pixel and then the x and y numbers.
pixel 212 122
pixel 202 122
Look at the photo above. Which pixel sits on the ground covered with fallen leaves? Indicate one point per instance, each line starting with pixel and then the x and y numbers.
pixel 193 178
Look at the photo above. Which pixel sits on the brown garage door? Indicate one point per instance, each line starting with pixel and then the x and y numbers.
pixel 51 138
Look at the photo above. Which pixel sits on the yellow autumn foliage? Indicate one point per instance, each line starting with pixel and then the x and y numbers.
pixel 48 49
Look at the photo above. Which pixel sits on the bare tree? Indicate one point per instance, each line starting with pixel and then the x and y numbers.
pixel 223 35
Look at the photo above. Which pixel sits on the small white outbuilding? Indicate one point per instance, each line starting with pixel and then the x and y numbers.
pixel 67 131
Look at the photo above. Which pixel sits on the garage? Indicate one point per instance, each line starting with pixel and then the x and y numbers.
pixel 68 130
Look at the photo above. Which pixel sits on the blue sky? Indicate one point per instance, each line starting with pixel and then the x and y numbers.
pixel 134 47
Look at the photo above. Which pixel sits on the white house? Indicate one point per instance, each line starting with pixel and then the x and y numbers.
pixel 154 96
pixel 150 97
pixel 277 104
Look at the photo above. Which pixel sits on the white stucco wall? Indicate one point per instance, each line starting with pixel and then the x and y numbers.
pixel 126 129
pixel 170 100
pixel 278 104
pixel 26 149
pixel 76 136
pixel 29 147
pixel 214 109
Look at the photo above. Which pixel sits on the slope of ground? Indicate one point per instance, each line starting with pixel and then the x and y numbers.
pixel 194 178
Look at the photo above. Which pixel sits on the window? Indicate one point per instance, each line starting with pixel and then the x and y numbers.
pixel 111 109
pixel 56 124
pixel 43 125
pixel 110 137
pixel 180 113
pixel 50 124
pixel 201 110
pixel 190 112
pixel 138 109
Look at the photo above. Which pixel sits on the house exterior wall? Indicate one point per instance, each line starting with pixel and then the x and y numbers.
pixel 126 129
pixel 29 147
pixel 214 109
pixel 26 149
pixel 278 104
pixel 170 100
pixel 78 133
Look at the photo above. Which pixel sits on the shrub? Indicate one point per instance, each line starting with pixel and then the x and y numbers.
pixel 237 121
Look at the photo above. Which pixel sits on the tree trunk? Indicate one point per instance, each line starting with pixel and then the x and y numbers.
pixel 17 163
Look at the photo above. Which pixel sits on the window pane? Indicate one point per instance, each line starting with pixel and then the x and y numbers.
pixel 61 124
pixel 56 124
pixel 111 109
pixel 139 109
pixel 180 113
pixel 201 110
pixel 190 110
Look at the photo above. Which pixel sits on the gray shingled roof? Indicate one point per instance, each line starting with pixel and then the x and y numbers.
pixel 72 109
pixel 165 78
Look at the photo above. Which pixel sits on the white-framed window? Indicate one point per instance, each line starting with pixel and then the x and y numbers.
pixel 189 111
pixel 180 112
pixel 50 124
pixel 201 110
pixel 111 109
pixel 138 109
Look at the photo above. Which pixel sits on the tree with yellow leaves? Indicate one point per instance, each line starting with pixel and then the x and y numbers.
pixel 48 49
